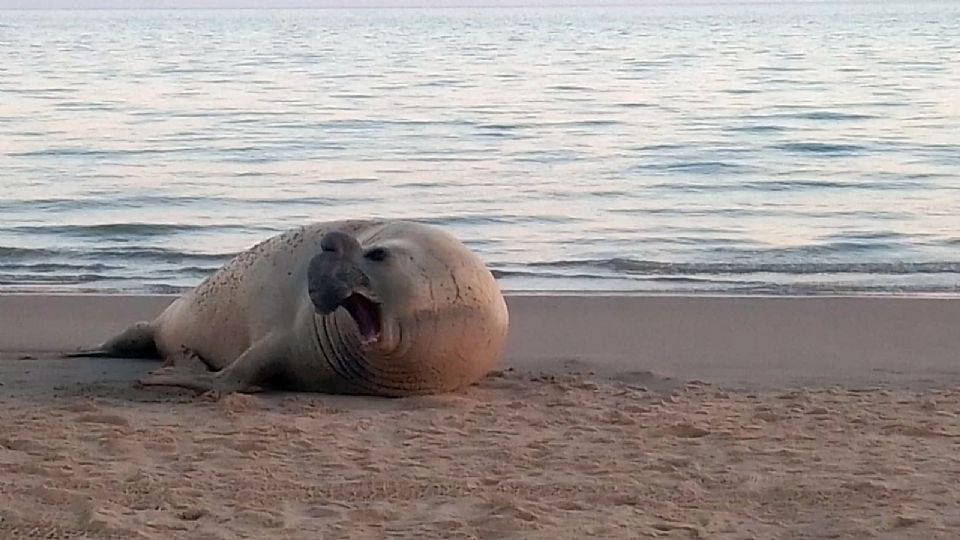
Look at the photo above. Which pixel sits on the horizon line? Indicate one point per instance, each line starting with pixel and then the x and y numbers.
pixel 622 3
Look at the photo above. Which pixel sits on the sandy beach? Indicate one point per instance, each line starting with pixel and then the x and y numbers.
pixel 611 417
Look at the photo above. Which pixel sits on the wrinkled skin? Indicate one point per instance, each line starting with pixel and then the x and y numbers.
pixel 388 308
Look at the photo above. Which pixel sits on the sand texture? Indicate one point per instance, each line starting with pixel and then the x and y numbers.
pixel 818 418
pixel 520 455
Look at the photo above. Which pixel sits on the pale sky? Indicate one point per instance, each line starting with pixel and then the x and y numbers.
pixel 112 4
pixel 88 4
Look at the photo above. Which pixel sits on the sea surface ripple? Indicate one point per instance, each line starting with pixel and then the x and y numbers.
pixel 775 149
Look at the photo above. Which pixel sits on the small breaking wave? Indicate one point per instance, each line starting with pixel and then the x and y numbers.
pixel 642 267
pixel 695 167
pixel 20 253
pixel 10 256
pixel 58 279
pixel 825 149
pixel 125 230
pixel 43 268
pixel 787 185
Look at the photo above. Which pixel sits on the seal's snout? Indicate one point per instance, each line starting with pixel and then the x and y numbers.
pixel 336 279
pixel 335 274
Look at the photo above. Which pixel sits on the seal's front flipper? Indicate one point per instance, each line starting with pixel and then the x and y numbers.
pixel 204 382
pixel 137 341
pixel 181 377
pixel 188 370
pixel 261 361
pixel 184 370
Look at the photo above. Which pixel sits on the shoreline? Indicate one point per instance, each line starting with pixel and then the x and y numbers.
pixel 547 292
pixel 840 293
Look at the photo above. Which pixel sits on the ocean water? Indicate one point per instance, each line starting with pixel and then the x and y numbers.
pixel 774 149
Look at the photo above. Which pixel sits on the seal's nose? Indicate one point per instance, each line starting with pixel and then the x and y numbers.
pixel 334 273
pixel 340 243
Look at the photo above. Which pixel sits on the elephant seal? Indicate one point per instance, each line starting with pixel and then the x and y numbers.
pixel 375 307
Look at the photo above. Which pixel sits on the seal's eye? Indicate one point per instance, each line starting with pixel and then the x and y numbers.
pixel 376 254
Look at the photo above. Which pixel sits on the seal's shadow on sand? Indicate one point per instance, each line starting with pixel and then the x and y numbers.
pixel 42 378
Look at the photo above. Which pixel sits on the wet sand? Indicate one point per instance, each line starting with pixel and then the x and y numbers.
pixel 655 419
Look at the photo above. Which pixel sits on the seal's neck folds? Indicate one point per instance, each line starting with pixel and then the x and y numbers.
pixel 363 366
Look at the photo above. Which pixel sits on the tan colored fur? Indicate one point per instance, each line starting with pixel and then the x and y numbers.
pixel 439 297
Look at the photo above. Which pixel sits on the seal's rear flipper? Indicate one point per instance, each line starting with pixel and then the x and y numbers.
pixel 135 342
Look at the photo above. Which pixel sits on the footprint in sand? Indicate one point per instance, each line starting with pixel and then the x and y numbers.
pixel 104 418
pixel 684 431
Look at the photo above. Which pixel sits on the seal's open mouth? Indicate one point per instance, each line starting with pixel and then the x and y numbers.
pixel 366 313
